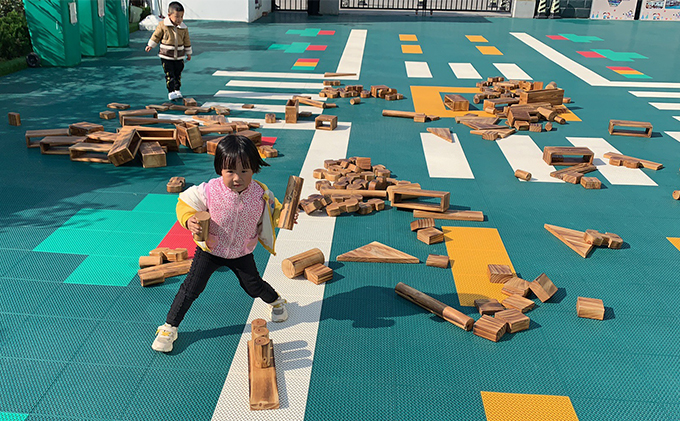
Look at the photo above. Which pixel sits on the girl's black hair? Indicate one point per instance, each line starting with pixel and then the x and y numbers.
pixel 175 6
pixel 235 148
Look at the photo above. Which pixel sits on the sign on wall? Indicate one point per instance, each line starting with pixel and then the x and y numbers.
pixel 613 9
pixel 660 10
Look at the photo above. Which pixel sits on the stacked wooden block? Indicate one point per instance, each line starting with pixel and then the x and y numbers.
pixel 262 385
pixel 162 263
pixel 310 263
pixel 427 232
pixel 583 242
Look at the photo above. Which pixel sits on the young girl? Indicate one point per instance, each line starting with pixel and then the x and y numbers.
pixel 241 213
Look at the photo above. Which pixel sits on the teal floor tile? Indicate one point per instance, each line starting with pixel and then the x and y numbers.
pixel 72 241
pixel 24 296
pixel 105 270
pixel 158 203
pixel 79 301
pixel 44 266
pixel 25 382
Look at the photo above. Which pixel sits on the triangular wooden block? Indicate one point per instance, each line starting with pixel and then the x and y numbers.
pixel 376 252
pixel 443 133
pixel 572 238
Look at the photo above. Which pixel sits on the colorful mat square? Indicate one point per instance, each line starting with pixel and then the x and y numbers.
pixel 489 50
pixel 622 56
pixel 411 49
pixel 557 37
pixel 476 38
pixel 522 407
pixel 591 54
pixel 407 37
pixel 305 64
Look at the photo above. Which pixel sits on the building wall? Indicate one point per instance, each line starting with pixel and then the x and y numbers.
pixel 575 8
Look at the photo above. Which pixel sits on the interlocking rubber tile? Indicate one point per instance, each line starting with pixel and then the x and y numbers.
pixel 24 382
pixel 158 203
pixel 106 271
pixel 79 301
pixel 25 295
pixel 367 404
pixel 129 347
pixel 23 237
pixel 53 267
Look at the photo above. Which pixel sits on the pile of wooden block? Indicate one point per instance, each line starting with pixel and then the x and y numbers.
pixel 582 242
pixel 88 142
pixel 162 263
pixel 524 104
pixel 310 264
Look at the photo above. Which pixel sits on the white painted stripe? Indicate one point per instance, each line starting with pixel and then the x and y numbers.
pixel 264 95
pixel 616 175
pixel 417 69
pixel 444 159
pixel 275 85
pixel 464 71
pixel 523 154
pixel 666 106
pixel 581 71
pixel 674 135
pixel 270 75
pixel 294 340
pixel 261 108
pixel 353 55
pixel 561 60
pixel 512 71
pixel 654 94
pixel 677 117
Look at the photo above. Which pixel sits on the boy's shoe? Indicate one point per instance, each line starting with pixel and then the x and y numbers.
pixel 278 310
pixel 172 95
pixel 179 94
pixel 165 336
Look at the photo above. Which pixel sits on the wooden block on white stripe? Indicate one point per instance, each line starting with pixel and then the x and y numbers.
pixel 516 321
pixel 543 287
pixel 438 261
pixel 499 274
pixel 489 328
pixel 318 273
pixel 518 302
pixel 443 133
pixel 590 308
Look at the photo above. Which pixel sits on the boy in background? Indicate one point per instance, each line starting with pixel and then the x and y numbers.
pixel 173 36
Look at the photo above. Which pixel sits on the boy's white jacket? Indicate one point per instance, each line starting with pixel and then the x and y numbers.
pixel 193 200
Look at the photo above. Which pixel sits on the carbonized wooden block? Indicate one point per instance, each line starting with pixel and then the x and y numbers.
pixel 590 308
pixel 422 223
pixel 177 255
pixel 499 274
pixel 153 156
pixel 430 235
pixel 438 261
pixel 326 122
pixel 291 111
pixel 543 287
pixel 14 119
pixel 83 128
pixel 176 185
pixel 318 273
pixel 107 115
pixel 488 306
pixel 591 183
pixel 519 303
pixel 516 286
pixel 489 328
pixel 516 321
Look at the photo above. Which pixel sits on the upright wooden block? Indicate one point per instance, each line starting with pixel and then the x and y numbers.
pixel 499 274
pixel 489 328
pixel 290 202
pixel 488 306
pixel 176 185
pixel 516 286
pixel 189 136
pixel 590 308
pixel 270 118
pixel 422 223
pixel 153 156
pixel 543 287
pixel 125 147
pixel 518 302
pixel 438 261
pixel 430 235
pixel 591 182
pixel 295 265
pixel 292 110
pixel 615 130
pixel 516 321
pixel 567 155
pixel 326 122
pixel 318 273
pixel 14 119
pixel 398 196
pixel 456 102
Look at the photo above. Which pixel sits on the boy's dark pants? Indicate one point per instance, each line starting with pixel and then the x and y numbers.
pixel 173 73
pixel 202 267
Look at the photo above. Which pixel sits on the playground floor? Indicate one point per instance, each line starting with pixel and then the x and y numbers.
pixel 76 326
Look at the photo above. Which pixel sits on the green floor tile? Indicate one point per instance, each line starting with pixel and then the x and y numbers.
pixel 25 382
pixel 105 270
pixel 44 266
pixel 158 203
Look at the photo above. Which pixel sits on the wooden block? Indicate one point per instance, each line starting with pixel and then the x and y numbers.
pixel 292 109
pixel 268 151
pixel 364 163
pixel 107 115
pixel 59 145
pixel 572 177
pixel 263 389
pixel 438 261
pixel 377 204
pixel 613 240
pixel 326 122
pixel 580 168
pixel 90 152
pixel 499 274
pixel 456 102
pixel 536 127
pixel 590 308
pixel 295 265
pixel 434 306
pixel 430 235
pixel 31 134
pixel 523 175
pixel 176 185
pixel 136 113
pixel 566 155
pixel 402 114
pixel 553 96
pixel 572 238
pixel 516 321
pixel 118 106
pixel 190 102
pixel 159 108
pixel 490 135
pixel 125 148
pixel 516 286
pixel 153 155
pixel 377 253
pixel 160 251
pixel 157 274
pixel 591 182
pixel 518 302
pixel 422 223
pixel 489 328
pixel 521 126
pixel 397 197
pixel 443 133
pixel 318 273
pixel 331 83
pixel 151 260
pixel 222 110
pixel 595 238
pixel 270 118
pixel 646 164
pixel 615 130
pixel 454 215
pixel 248 106
pixel 548 126
pixel 488 306
pixel 543 287
pixel 177 255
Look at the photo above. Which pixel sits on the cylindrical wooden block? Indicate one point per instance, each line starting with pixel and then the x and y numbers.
pixel 447 313
pixel 355 101
pixel 259 332
pixel 258 323
pixel 676 195
pixel 203 219
pixel 263 352
pixel 146 261
pixel 295 265
pixel 523 175
pixel 290 202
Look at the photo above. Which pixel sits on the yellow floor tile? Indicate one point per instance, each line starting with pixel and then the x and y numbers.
pixel 411 49
pixel 489 50
pixel 675 241
pixel 407 37
pixel 476 38
pixel 521 407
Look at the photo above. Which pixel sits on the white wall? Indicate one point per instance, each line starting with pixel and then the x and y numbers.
pixel 227 10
